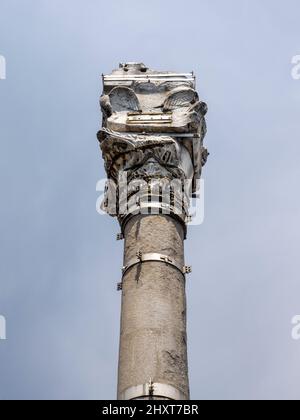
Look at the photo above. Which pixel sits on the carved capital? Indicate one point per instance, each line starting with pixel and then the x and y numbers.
pixel 152 133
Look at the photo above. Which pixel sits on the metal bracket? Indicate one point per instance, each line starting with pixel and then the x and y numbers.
pixel 154 256
pixel 120 286
pixel 151 388
pixel 120 236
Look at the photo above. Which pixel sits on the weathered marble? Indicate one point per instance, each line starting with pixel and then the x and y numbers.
pixel 152 143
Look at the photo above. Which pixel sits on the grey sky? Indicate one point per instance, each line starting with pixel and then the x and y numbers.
pixel 59 259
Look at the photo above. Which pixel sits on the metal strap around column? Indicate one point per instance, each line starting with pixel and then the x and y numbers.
pixel 153 391
pixel 154 256
pixel 160 208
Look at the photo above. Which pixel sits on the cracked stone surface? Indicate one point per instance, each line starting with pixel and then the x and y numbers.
pixel 153 316
pixel 152 134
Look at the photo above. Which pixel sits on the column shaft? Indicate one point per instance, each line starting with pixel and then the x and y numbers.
pixel 153 314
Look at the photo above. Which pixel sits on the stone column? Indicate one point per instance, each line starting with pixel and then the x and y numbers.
pixel 152 144
pixel 153 316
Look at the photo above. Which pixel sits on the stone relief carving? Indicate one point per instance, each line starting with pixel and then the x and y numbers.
pixel 152 131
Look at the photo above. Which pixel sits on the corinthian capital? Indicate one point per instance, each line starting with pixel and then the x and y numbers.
pixel 151 136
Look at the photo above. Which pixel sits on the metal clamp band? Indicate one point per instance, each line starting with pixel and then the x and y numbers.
pixel 152 390
pixel 138 207
pixel 153 256
pixel 160 208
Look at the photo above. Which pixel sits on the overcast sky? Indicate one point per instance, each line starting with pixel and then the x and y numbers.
pixel 59 260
